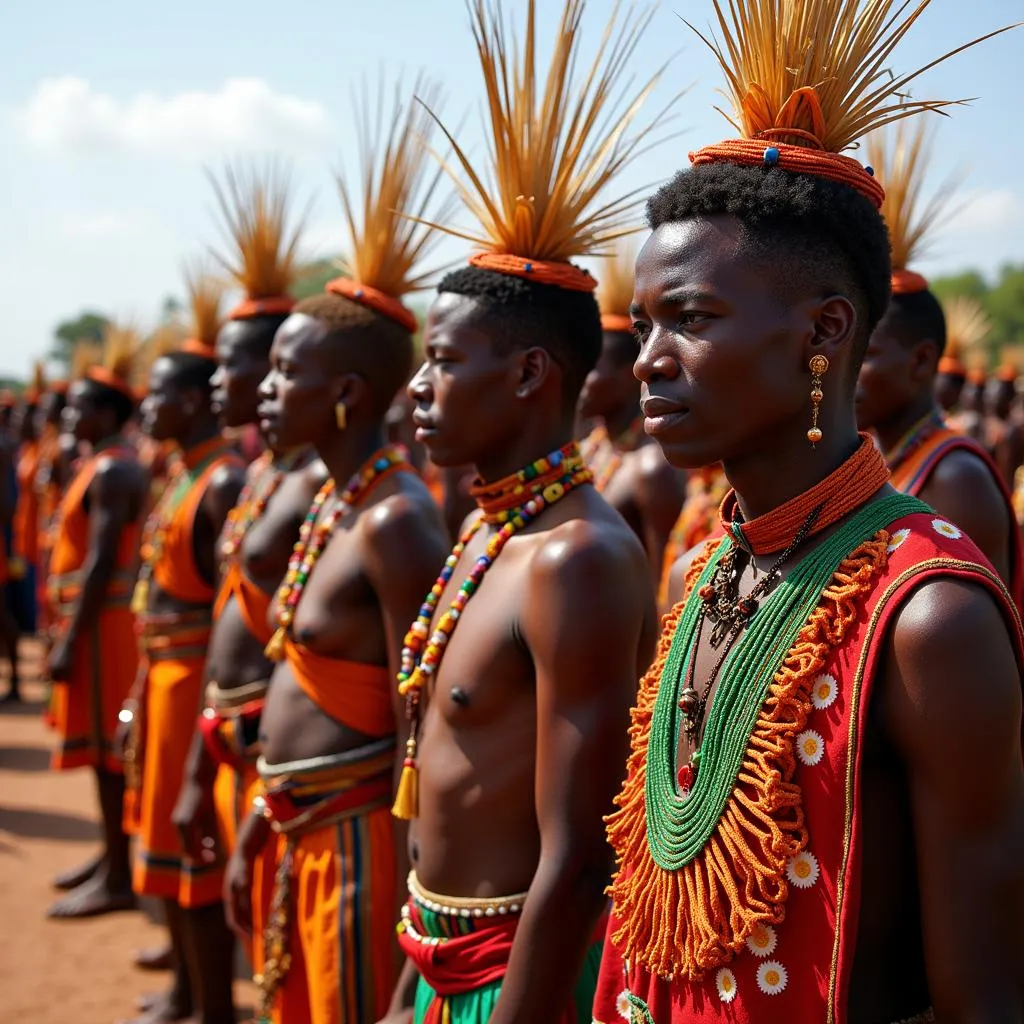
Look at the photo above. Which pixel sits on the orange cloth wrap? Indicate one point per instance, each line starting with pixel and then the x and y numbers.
pixel 176 573
pixel 352 693
pixel 906 282
pixel 173 688
pixel 617 323
pixel 101 375
pixel 26 512
pixel 375 299
pixel 560 275
pixel 796 159
pixel 951 366
pixel 84 710
pixel 253 603
pixel 275 305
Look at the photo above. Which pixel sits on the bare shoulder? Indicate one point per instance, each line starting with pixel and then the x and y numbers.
pixel 963 469
pixel 117 474
pixel 229 475
pixel 582 553
pixel 409 512
pixel 952 666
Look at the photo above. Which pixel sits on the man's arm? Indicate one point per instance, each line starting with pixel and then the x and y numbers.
pixel 659 496
pixel 404 548
pixel 962 489
pixel 952 703
pixel 115 499
pixel 220 498
pixel 589 626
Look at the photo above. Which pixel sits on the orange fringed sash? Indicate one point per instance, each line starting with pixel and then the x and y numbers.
pixel 696 919
pixel 375 299
pixel 560 275
pixel 797 159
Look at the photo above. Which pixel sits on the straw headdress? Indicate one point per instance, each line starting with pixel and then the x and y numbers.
pixel 555 146
pixel 255 207
pixel 385 216
pixel 37 387
pixel 116 367
pixel 807 79
pixel 205 295
pixel 165 339
pixel 615 294
pixel 1011 361
pixel 900 157
pixel 967 326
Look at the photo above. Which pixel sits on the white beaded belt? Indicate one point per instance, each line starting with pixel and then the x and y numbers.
pixel 463 906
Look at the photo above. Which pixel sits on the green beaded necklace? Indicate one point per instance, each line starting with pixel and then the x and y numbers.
pixel 678 827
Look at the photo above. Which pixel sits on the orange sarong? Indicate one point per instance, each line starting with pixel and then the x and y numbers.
pixel 26 511
pixel 335 876
pixel 83 710
pixel 175 647
pixel 253 602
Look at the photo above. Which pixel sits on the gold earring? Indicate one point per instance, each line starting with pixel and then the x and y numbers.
pixel 341 415
pixel 819 367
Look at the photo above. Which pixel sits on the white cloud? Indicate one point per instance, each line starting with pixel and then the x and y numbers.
pixel 67 114
pixel 993 210
pixel 102 225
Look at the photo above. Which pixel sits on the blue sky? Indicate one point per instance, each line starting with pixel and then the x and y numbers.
pixel 111 109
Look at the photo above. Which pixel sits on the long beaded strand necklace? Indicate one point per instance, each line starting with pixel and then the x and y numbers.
pixel 511 504
pixel 265 479
pixel 316 532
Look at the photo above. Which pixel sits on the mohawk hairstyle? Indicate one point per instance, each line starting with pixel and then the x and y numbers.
pixel 389 239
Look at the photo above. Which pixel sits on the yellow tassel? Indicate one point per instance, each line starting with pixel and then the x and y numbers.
pixel 407 799
pixel 275 649
pixel 140 597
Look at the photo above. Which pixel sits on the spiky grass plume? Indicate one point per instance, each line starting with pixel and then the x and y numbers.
pixel 901 156
pixel 386 213
pixel 164 340
pixel 555 146
pixel 84 355
pixel 121 345
pixel 38 385
pixel 255 206
pixel 967 326
pixel 615 292
pixel 205 295
pixel 819 66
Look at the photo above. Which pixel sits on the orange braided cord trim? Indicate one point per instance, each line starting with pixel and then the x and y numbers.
pixel 952 366
pixel 276 305
pixel 617 322
pixel 375 299
pixel 906 282
pixel 561 275
pixel 691 921
pixel 798 159
pixel 195 347
pixel 101 375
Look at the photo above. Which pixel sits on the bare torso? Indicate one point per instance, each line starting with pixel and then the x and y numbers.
pixel 477 832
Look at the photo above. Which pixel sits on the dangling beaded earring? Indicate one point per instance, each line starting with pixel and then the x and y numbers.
pixel 819 367
pixel 341 415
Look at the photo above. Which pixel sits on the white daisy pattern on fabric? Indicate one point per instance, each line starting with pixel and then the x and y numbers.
pixel 824 691
pixel 810 747
pixel 897 540
pixel 762 940
pixel 944 529
pixel 725 982
pixel 802 870
pixel 771 977
pixel 624 1006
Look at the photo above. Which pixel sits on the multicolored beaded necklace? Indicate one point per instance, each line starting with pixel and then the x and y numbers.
pixel 914 438
pixel 599 440
pixel 510 504
pixel 186 470
pixel 315 533
pixel 265 477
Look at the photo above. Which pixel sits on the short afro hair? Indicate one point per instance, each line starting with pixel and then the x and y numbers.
pixel 816 229
pixel 190 370
pixel 520 313
pixel 917 317
pixel 103 397
pixel 259 331
pixel 365 342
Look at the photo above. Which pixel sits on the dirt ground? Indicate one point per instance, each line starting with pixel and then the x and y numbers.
pixel 58 971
